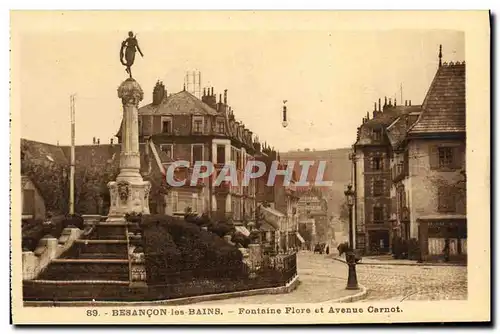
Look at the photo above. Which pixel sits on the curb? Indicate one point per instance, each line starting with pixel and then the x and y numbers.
pixel 289 287
pixel 354 298
pixel 423 264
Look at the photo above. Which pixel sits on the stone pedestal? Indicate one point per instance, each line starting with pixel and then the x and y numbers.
pixel 129 193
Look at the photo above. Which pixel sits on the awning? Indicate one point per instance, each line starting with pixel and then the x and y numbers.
pixel 300 237
pixel 243 230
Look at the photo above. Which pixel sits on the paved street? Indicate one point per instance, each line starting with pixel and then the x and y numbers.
pixel 386 282
pixel 323 279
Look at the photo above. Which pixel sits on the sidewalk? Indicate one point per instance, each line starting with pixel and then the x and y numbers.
pixel 389 261
pixel 321 280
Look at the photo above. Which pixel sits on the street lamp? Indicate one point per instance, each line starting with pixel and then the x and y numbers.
pixel 285 122
pixel 352 280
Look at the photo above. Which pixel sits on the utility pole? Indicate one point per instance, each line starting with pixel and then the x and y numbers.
pixel 72 166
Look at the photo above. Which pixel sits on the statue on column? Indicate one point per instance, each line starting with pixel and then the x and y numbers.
pixel 127 51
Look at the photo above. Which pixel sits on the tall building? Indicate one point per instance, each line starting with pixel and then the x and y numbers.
pixel 372 178
pixel 409 171
pixel 182 127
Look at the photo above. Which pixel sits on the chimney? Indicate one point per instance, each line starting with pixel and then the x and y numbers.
pixel 390 102
pixel 158 93
pixel 210 99
pixel 204 92
pixel 367 115
pixel 98 141
pixel 379 108
pixel 385 101
pixel 406 103
pixel 93 141
pixel 394 101
pixel 225 97
pixel 409 103
pixel 375 106
pixel 111 141
pixel 440 54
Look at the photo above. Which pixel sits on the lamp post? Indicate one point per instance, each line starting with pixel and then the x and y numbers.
pixel 352 280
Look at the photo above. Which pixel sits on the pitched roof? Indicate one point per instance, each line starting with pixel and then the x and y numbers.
pixel 444 104
pixel 382 120
pixel 397 131
pixel 181 103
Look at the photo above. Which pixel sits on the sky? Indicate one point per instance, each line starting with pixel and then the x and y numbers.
pixel 329 78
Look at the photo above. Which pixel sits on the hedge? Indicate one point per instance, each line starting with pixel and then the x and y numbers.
pixel 33 230
pixel 177 250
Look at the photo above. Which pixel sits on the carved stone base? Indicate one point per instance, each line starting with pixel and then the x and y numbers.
pixel 127 197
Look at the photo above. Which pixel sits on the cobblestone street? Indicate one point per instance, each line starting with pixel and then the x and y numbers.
pixel 323 279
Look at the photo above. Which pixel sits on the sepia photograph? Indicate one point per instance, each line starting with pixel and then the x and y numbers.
pixel 250 167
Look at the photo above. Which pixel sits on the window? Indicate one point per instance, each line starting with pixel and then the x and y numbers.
pixel 168 149
pixel 221 154
pixel 196 153
pixel 166 125
pixel 175 201
pixel 446 199
pixel 378 188
pixel 377 134
pixel 194 203
pixel 198 125
pixel 377 163
pixel 445 157
pixel 378 215
pixel 220 127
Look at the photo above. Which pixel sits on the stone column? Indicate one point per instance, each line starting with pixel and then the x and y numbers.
pixel 129 193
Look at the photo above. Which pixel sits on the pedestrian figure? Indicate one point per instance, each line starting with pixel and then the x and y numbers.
pixel 327 250
pixel 446 250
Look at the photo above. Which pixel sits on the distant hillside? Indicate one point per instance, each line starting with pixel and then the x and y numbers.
pixel 338 170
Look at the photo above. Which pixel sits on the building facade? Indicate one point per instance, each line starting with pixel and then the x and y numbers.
pixel 183 127
pixel 372 178
pixel 428 164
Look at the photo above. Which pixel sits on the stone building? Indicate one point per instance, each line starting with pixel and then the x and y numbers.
pixel 372 178
pixel 428 167
pixel 313 205
pixel 182 127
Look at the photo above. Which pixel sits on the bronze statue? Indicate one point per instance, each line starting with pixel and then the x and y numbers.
pixel 128 49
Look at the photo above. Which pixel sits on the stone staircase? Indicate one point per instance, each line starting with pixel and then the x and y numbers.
pixel 96 267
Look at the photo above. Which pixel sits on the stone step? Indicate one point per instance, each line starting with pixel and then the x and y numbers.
pixel 83 247
pixel 78 290
pixel 86 269
pixel 109 232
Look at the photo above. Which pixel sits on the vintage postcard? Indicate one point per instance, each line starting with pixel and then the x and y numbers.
pixel 315 167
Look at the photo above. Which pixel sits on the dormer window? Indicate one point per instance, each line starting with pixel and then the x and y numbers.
pixel 198 124
pixel 166 124
pixel 377 134
pixel 220 127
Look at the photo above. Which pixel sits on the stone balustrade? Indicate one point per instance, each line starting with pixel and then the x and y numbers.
pixel 47 250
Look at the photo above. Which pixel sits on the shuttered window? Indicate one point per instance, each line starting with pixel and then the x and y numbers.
pixel 445 157
pixel 378 187
pixel 378 215
pixel 446 199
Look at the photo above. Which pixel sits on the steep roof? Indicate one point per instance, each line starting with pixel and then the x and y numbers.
pixel 382 120
pixel 444 104
pixel 181 103
pixel 397 131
